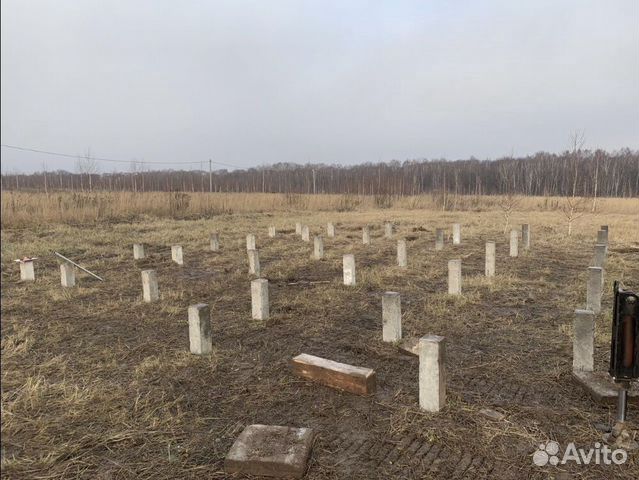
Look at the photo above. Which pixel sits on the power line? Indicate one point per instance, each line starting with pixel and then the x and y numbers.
pixel 112 160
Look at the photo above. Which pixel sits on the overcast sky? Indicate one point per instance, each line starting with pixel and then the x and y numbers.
pixel 258 82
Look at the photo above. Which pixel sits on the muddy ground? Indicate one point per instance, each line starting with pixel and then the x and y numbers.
pixel 98 384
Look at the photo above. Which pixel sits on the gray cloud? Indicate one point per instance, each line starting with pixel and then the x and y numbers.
pixel 250 83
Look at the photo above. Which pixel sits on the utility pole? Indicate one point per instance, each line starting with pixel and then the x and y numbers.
pixel 210 175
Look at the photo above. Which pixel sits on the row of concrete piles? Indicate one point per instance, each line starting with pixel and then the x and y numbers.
pixel 585 318
pixel 430 348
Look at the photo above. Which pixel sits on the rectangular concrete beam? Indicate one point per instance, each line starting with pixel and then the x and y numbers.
pixel 432 373
pixel 583 342
pixel 349 269
pixel 346 377
pixel 150 291
pixel 490 259
pixel 402 257
pixel 454 277
pixel 67 275
pixel 176 254
pixel 138 251
pixel 271 451
pixel 318 247
pixel 259 299
pixel 391 317
pixel 200 338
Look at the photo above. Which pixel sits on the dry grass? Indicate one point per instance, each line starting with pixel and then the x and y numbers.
pixel 26 209
pixel 98 384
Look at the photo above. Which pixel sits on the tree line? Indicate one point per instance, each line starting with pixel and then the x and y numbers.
pixel 575 172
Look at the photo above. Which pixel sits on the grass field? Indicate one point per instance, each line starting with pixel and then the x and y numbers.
pixel 98 384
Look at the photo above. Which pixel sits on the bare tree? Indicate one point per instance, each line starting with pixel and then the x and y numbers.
pixel 573 207
pixel 87 165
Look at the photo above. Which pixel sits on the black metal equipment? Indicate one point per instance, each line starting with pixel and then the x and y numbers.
pixel 624 347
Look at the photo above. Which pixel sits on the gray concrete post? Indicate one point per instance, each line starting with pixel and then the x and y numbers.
pixel 138 251
pixel 271 231
pixel 318 247
pixel 200 339
pixel 432 373
pixel 490 259
pixel 454 277
pixel 150 291
pixel 349 269
pixel 391 317
pixel 298 228
pixel 259 299
pixel 214 242
pixel 456 234
pixel 67 275
pixel 306 233
pixel 250 242
pixel 176 254
pixel 594 289
pixel 583 343
pixel 254 262
pixel 402 257
pixel 525 235
pixel 439 239
pixel 514 243
pixel 330 229
pixel 27 271
pixel 388 230
pixel 366 235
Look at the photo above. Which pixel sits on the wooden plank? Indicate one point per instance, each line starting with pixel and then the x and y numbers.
pixel 342 376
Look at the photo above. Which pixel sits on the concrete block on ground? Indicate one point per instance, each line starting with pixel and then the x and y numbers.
pixel 525 235
pixel 602 389
pixel 254 262
pixel 388 230
pixel 330 229
pixel 454 277
pixel 138 251
pixel 366 235
pixel 333 374
pixel 259 299
pixel 150 291
pixel 439 239
pixel 514 243
pixel 176 254
pixel 271 451
pixel 214 242
pixel 200 338
pixel 349 269
pixel 306 233
pixel 594 289
pixel 489 269
pixel 432 373
pixel 250 242
pixel 583 342
pixel 456 233
pixel 391 317
pixel 67 275
pixel 27 271
pixel 318 247
pixel 402 256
